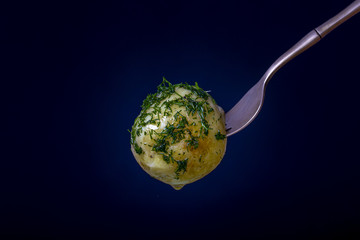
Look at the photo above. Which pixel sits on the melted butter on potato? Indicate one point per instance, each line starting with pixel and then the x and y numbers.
pixel 179 136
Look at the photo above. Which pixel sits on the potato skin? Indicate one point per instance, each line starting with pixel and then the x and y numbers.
pixel 192 155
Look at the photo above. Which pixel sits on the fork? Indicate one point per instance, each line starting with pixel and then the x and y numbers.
pixel 249 106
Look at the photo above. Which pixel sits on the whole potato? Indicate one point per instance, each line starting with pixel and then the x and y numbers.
pixel 179 136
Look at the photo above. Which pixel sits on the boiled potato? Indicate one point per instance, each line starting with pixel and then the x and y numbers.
pixel 179 136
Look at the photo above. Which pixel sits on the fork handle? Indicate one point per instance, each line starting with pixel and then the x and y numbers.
pixel 338 19
pixel 312 38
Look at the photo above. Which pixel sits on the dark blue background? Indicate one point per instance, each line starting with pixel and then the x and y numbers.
pixel 75 75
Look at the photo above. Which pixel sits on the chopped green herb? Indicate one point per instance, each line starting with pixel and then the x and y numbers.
pixel 181 166
pixel 193 142
pixel 220 136
pixel 161 145
pixel 168 158
pixel 137 148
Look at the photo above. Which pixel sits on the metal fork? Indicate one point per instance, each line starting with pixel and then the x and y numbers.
pixel 249 106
